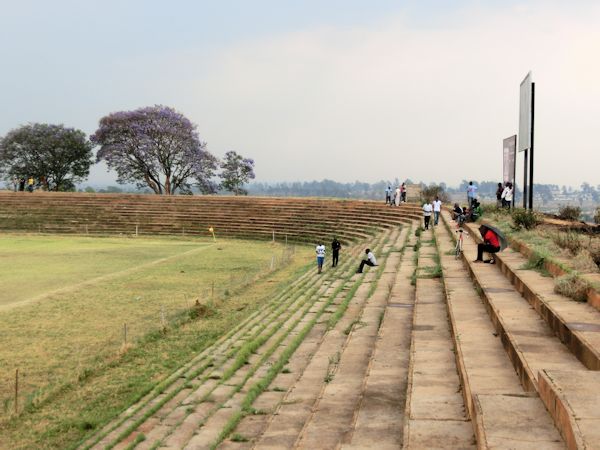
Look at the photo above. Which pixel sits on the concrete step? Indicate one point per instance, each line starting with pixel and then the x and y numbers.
pixel 380 415
pixel 576 324
pixel 503 414
pixel 529 342
pixel 287 422
pixel 204 425
pixel 436 416
pixel 335 412
pixel 573 399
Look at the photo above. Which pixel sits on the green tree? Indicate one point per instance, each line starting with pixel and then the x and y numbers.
pixel 57 156
pixel 236 171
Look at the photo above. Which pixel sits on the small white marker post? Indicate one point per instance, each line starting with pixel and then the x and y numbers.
pixel 136 230
pixel 17 391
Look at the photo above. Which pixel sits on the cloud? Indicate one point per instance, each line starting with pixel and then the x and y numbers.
pixel 398 100
pixel 428 100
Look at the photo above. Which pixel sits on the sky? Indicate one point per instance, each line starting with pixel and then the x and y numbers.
pixel 340 89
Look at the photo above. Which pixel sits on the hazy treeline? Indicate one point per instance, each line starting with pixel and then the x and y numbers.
pixel 374 191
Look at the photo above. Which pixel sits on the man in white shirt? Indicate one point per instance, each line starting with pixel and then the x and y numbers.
pixel 370 261
pixel 320 250
pixel 437 208
pixel 427 210
pixel 507 196
pixel 471 192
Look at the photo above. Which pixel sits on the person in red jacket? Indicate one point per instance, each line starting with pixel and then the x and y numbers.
pixel 490 244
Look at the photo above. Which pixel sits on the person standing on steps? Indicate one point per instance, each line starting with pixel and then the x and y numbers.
pixel 427 210
pixel 403 192
pixel 388 195
pixel 471 192
pixel 397 196
pixel 335 251
pixel 437 208
pixel 499 197
pixel 507 196
pixel 30 183
pixel 320 256
pixel 369 261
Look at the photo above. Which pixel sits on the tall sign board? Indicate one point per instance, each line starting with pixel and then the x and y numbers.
pixel 525 113
pixel 526 121
pixel 509 149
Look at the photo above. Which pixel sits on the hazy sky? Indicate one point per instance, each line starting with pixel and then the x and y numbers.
pixel 340 89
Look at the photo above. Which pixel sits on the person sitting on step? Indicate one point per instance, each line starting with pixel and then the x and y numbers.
pixel 369 261
pixel 490 244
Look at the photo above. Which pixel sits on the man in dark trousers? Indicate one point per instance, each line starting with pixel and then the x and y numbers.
pixel 369 261
pixel 335 250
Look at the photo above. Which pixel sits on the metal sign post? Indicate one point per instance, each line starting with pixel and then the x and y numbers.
pixel 531 147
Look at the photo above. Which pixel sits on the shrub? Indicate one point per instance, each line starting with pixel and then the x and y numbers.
pixel 569 241
pixel 524 218
pixel 492 208
pixel 432 191
pixel 572 286
pixel 569 212
pixel 595 254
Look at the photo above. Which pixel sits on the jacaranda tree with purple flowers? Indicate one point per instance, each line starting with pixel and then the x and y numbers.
pixel 236 171
pixel 56 156
pixel 157 147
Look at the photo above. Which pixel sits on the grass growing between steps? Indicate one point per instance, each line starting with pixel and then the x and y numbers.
pixel 240 355
pixel 260 386
pixel 93 390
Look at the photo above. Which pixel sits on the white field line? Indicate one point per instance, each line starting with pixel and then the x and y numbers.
pixel 108 276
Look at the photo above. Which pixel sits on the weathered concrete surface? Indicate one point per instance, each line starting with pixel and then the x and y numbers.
pixel 514 422
pixel 529 342
pixel 436 416
pixel 573 399
pixel 380 417
pixel 576 324
pixel 331 423
pixel 485 369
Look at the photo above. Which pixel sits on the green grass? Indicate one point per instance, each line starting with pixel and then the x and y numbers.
pixel 76 373
pixel 41 264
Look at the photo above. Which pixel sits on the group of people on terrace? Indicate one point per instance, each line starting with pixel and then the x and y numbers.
pixel 470 213
pixel 336 246
pixel 395 197
pixel 20 182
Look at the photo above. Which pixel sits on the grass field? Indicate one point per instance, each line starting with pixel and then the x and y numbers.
pixel 64 304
